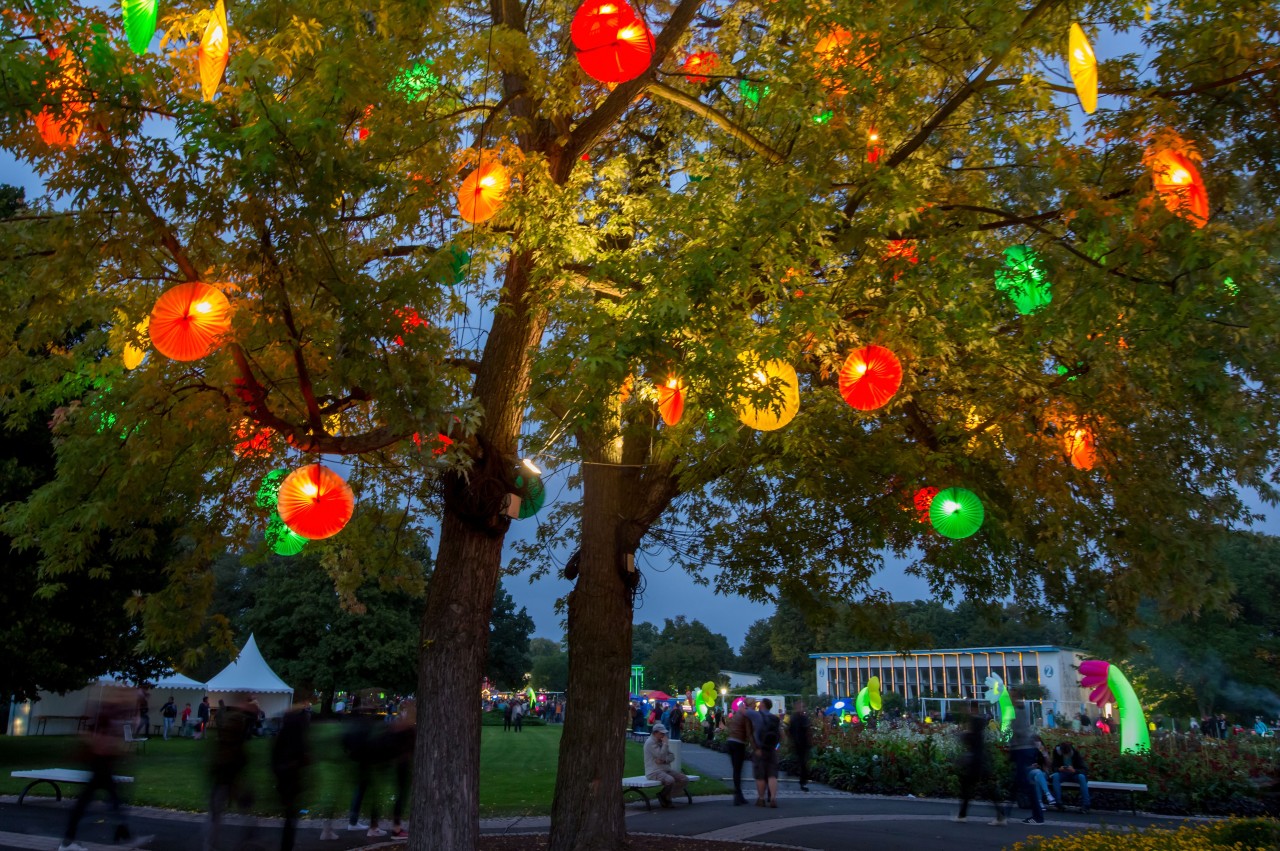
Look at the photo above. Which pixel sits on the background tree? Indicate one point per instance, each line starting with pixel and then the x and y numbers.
pixel 550 665
pixel 509 631
pixel 686 656
pixel 644 638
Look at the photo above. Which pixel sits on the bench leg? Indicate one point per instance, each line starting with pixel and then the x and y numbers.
pixel 641 793
pixel 56 791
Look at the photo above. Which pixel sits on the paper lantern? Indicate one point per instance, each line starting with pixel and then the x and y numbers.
pixel 315 502
pixel 956 513
pixel 1180 186
pixel 613 44
pixel 874 149
pixel 870 376
pixel 923 501
pixel 1078 443
pixel 671 401
pixel 139 23
pixel 780 410
pixel 833 53
pixel 269 490
pixel 533 495
pixel 416 84
pixel 282 540
pixel 439 447
pixel 1083 66
pixel 132 354
pixel 253 441
pixel 214 48
pixel 1023 280
pixel 752 92
pixel 482 191
pixel 189 321
pixel 699 62
pixel 62 128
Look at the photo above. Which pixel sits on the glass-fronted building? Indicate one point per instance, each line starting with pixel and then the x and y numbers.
pixel 957 674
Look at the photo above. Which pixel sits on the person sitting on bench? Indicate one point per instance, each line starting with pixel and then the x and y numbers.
pixel 659 765
pixel 1069 766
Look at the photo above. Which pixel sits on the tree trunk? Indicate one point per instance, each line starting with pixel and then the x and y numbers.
pixel 455 624
pixel 587 813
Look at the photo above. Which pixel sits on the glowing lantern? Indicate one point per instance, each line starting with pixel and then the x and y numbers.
pixel 1180 186
pixel 416 84
pixel 874 149
pixel 214 48
pixel 533 495
pixel 1084 68
pixel 251 441
pixel 696 62
pixel 956 513
pixel 282 540
pixel 752 92
pixel 923 501
pixel 482 191
pixel 131 354
pixel 63 131
pixel 410 321
pixel 832 53
pixel 780 410
pixel 613 44
pixel 139 22
pixel 189 321
pixel 870 376
pixel 671 401
pixel 1078 443
pixel 1023 280
pixel 315 502
pixel 269 491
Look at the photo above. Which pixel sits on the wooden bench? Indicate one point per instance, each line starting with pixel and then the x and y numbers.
pixel 639 783
pixel 1110 786
pixel 54 776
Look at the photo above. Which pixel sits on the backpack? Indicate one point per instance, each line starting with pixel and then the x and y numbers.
pixel 769 731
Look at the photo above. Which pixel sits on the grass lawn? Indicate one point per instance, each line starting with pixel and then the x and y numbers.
pixel 517 771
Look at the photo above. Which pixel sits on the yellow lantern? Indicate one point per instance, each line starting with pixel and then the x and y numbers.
pixel 132 355
pixel 1084 68
pixel 214 47
pixel 778 411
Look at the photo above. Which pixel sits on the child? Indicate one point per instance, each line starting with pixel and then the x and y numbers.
pixel 186 719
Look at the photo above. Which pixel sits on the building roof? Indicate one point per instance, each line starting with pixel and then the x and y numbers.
pixel 249 672
pixel 738 673
pixel 1035 648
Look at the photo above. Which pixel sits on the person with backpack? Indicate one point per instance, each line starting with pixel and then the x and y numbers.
pixel 169 712
pixel 766 736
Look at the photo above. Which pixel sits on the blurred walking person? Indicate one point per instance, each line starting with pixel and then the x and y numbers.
pixel 801 741
pixel 230 758
pixel 100 752
pixel 290 755
pixel 737 746
pixel 975 767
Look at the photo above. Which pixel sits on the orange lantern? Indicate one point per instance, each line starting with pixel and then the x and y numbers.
pixel 1078 442
pixel 1083 66
pixel 482 192
pixel 214 48
pixel 189 321
pixel 870 376
pixel 1179 184
pixel 315 502
pixel 696 62
pixel 613 44
pixel 833 52
pixel 874 149
pixel 63 130
pixel 671 400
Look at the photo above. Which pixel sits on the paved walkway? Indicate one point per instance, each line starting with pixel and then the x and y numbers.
pixel 821 820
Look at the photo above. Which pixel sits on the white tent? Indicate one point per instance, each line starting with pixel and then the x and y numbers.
pixel 59 714
pixel 250 674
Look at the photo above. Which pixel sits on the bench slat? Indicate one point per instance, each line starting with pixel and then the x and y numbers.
pixel 62 775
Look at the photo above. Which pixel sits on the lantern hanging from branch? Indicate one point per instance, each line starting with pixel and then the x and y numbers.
pixel 1023 280
pixel 697 65
pixel 1079 444
pixel 533 494
pixel 315 502
pixel 269 489
pixel 130 353
pixel 782 406
pixel 1179 184
pixel 189 321
pixel 870 376
pixel 671 400
pixel 481 193
pixel 956 513
pixel 753 92
pixel 417 83
pixel 214 49
pixel 62 128
pixel 253 441
pixel 613 44
pixel 282 540
pixel 139 22
pixel 1084 68
pixel 923 501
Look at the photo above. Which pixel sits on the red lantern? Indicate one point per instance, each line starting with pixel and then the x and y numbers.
pixel 1078 441
pixel 923 502
pixel 189 321
pixel 671 401
pixel 315 502
pixel 874 149
pixel 253 442
pixel 410 321
pixel 613 44
pixel 63 131
pixel 482 191
pixel 1180 186
pixel 699 62
pixel 870 376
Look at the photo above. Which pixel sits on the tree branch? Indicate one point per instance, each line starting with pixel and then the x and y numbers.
pixel 721 120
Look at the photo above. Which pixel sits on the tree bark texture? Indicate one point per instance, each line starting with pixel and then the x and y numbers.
pixel 587 814
pixel 455 624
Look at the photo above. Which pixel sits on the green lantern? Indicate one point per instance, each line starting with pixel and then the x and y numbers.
pixel 140 23
pixel 416 84
pixel 533 495
pixel 1023 280
pixel 270 489
pixel 956 513
pixel 752 92
pixel 282 540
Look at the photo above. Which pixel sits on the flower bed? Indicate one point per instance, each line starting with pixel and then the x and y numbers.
pixel 1237 834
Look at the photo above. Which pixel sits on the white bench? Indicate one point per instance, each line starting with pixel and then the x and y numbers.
pixel 54 776
pixel 1111 786
pixel 639 783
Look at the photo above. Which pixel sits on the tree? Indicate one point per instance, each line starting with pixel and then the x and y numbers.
pixel 757 651
pixel 686 656
pixel 509 631
pixel 644 639
pixel 550 665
